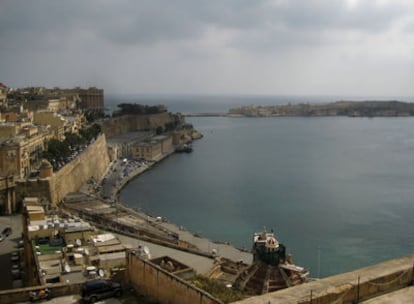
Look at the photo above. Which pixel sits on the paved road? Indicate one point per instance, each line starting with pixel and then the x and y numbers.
pixel 130 169
pixel 225 250
pixel 118 174
pixel 7 246
pixel 199 263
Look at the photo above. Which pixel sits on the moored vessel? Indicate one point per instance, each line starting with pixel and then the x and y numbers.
pixel 272 269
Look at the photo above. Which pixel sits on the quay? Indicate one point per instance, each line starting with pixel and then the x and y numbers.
pixel 135 227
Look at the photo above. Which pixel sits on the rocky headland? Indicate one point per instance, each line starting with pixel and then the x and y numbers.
pixel 340 108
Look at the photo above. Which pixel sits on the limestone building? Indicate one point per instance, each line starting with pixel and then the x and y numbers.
pixel 22 153
pixel 55 121
pixel 7 195
pixel 154 148
pixel 56 99
pixel 150 150
pixel 91 98
pixel 64 248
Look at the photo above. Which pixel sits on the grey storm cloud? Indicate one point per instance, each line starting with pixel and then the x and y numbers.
pixel 337 15
pixel 223 45
pixel 150 21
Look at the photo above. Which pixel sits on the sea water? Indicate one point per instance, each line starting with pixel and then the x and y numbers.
pixel 337 191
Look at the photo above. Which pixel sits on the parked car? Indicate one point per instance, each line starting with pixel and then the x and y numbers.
pixel 95 290
pixel 15 257
pixel 20 244
pixel 15 271
pixel 39 295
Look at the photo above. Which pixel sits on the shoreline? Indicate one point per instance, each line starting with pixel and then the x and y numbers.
pixel 204 245
pixel 136 174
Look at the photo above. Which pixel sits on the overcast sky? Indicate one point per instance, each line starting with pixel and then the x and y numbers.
pixel 340 47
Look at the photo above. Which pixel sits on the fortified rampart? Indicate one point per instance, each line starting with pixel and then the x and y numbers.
pixel 153 281
pixel 92 162
pixel 130 123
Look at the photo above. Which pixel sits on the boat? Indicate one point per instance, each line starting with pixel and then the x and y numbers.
pixel 272 269
pixel 187 148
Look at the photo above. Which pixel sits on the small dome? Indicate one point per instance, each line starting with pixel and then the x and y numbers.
pixel 45 164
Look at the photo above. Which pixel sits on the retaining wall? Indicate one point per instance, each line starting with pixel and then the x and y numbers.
pixel 19 295
pixel 152 281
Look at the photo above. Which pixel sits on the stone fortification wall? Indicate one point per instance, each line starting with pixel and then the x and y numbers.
pixel 129 123
pixel 93 162
pixel 150 280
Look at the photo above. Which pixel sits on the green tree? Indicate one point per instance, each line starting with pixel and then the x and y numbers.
pixel 57 150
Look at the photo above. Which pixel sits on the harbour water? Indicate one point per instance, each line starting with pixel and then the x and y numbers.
pixel 337 191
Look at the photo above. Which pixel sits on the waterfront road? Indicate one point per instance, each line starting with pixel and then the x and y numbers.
pixel 8 245
pixel 221 249
pixel 119 173
pixel 200 264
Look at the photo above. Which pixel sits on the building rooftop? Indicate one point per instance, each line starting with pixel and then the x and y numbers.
pixel 111 249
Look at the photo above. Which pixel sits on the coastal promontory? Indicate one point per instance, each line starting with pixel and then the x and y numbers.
pixel 340 108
